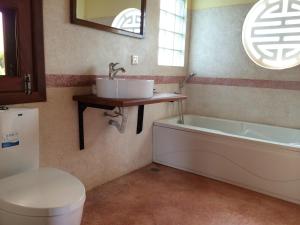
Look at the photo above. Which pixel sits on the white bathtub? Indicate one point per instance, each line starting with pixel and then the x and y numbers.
pixel 262 158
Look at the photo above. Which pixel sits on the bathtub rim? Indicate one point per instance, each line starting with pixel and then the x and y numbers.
pixel 167 123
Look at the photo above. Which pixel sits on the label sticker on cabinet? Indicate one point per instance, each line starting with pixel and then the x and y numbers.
pixel 10 139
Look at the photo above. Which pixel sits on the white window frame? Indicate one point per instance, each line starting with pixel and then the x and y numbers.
pixel 172 35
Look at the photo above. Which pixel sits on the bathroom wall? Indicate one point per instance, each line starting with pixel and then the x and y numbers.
pixel 73 55
pixel 103 8
pixel 72 49
pixel 206 4
pixel 80 8
pixel 229 85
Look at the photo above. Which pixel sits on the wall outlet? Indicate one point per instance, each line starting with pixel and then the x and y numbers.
pixel 134 59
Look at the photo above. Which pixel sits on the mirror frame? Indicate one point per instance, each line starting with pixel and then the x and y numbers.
pixel 75 20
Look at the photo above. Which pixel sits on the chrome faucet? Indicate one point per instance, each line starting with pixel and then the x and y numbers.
pixel 114 71
pixel 186 79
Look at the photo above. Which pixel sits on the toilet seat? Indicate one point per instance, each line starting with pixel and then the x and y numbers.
pixel 43 192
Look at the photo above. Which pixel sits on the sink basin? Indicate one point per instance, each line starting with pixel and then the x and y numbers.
pixel 124 89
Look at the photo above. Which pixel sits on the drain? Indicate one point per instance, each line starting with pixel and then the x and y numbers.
pixel 155 169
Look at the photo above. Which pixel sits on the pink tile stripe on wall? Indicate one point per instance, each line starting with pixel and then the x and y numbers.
pixel 271 84
pixel 88 80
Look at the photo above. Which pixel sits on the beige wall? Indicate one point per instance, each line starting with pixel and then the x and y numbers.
pixel 111 8
pixel 73 49
pixel 108 154
pixel 206 4
pixel 258 105
pixel 80 9
pixel 217 49
pixel 77 50
pixel 217 52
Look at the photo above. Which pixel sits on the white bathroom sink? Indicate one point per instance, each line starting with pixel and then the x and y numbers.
pixel 124 89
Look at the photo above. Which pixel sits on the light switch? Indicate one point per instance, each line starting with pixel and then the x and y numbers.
pixel 134 59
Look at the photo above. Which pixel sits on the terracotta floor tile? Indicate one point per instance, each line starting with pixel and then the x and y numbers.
pixel 172 197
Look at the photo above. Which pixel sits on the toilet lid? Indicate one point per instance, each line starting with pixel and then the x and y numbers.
pixel 42 192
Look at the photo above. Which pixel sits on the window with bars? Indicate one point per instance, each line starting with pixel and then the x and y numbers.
pixel 172 32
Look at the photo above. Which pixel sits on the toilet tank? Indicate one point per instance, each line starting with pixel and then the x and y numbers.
pixel 19 141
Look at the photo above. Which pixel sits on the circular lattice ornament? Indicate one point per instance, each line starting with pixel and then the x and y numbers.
pixel 271 33
pixel 129 19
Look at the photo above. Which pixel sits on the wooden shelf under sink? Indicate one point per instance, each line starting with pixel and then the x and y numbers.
pixel 93 101
pixel 157 98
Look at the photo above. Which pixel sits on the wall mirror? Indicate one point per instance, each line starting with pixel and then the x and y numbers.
pixel 126 17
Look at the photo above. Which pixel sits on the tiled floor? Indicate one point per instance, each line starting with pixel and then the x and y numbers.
pixel 158 195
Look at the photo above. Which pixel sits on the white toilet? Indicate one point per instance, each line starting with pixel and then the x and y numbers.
pixel 30 195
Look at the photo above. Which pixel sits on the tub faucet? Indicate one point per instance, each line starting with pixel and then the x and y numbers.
pixel 114 71
pixel 186 79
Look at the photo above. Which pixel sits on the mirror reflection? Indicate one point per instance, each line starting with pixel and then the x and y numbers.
pixel 8 43
pixel 124 15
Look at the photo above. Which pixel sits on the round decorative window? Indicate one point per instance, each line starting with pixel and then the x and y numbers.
pixel 271 34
